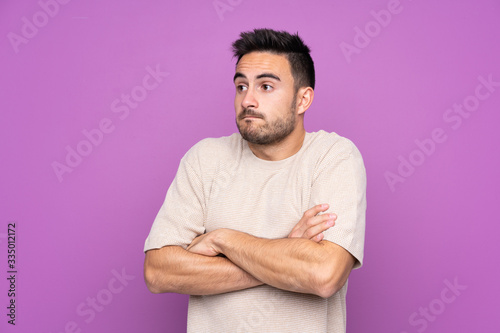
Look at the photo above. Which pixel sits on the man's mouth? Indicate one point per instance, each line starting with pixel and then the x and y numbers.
pixel 250 114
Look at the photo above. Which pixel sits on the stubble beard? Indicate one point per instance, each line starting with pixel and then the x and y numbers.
pixel 269 133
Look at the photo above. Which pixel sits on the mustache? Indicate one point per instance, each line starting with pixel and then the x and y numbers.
pixel 250 112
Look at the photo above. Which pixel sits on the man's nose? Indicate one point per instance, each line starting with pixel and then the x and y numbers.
pixel 249 101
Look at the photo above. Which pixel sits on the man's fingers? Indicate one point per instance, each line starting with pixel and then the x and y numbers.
pixel 318 229
pixel 313 226
pixel 313 221
pixel 315 210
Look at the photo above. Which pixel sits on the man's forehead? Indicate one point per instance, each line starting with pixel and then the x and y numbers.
pixel 255 63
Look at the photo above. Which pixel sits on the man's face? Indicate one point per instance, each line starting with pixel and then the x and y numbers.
pixel 265 100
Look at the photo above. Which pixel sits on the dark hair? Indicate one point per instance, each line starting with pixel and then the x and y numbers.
pixel 280 42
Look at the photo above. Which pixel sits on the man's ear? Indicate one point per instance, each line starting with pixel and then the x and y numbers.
pixel 305 96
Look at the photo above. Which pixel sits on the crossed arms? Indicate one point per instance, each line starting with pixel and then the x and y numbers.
pixel 303 262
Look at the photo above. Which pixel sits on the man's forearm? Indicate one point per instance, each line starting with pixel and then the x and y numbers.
pixel 298 265
pixel 173 269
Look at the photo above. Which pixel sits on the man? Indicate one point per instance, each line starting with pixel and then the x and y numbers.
pixel 263 227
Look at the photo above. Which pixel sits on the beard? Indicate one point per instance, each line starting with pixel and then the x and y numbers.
pixel 270 132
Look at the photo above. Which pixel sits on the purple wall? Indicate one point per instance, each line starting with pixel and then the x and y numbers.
pixel 415 84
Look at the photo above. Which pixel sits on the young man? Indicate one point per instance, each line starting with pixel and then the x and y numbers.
pixel 263 227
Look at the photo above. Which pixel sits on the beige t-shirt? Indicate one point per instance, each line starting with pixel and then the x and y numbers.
pixel 222 184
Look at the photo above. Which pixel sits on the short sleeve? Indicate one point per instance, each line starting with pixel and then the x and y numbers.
pixel 340 181
pixel 181 216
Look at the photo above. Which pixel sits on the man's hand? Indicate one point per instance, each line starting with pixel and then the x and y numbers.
pixel 312 225
pixel 204 244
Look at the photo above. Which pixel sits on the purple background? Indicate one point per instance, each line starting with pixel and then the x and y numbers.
pixel 74 233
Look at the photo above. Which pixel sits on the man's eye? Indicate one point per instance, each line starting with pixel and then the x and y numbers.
pixel 241 88
pixel 267 87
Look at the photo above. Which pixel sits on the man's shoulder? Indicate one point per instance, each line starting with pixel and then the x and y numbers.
pixel 214 149
pixel 220 142
pixel 331 143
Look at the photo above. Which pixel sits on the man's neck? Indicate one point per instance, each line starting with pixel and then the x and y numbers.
pixel 281 150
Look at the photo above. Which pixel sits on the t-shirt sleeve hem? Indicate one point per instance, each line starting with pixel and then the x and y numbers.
pixel 356 252
pixel 156 243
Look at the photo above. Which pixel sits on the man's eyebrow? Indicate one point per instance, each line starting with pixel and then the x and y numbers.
pixel 260 76
pixel 269 75
pixel 238 74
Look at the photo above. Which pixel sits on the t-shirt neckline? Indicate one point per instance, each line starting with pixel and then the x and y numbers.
pixel 255 161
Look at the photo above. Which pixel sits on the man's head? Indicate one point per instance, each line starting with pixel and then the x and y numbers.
pixel 274 85
pixel 282 43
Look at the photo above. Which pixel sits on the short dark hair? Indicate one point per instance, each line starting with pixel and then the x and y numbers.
pixel 283 43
